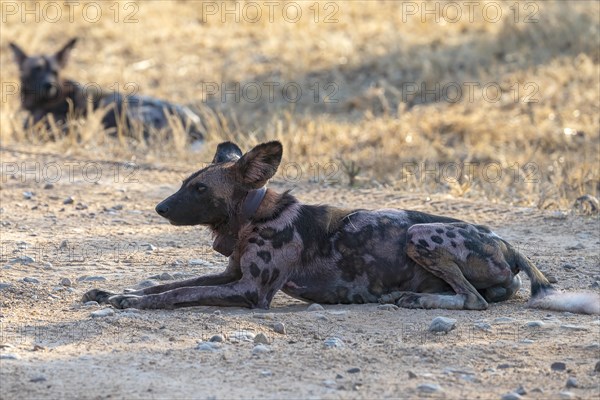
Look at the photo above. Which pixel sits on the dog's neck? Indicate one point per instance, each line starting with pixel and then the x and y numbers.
pixel 226 240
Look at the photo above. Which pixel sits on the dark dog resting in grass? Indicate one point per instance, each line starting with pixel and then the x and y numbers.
pixel 324 254
pixel 44 93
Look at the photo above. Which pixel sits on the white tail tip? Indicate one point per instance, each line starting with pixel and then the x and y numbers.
pixel 576 302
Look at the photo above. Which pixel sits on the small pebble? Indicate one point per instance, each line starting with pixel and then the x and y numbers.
pixel 558 366
pixel 521 391
pixel 5 285
pixel 315 307
pixel 48 186
pixel 165 276
pixel 38 379
pixel 65 282
pixel 208 346
pixel 429 387
pixel 69 200
pixel 29 279
pixel 511 396
pixel 566 395
pixel 442 324
pixel 571 382
pixel 569 267
pixel 105 312
pixel 216 339
pixel 534 324
pixel 266 373
pixel 261 338
pixel 28 195
pixel 9 356
pixel 22 260
pixel 576 328
pixel 91 304
pixel 48 265
pixel 261 349
pixel 597 367
pixel 411 375
pixel 279 327
pixel 86 278
pixel 354 370
pixel 241 335
pixel 333 342
pixel 483 326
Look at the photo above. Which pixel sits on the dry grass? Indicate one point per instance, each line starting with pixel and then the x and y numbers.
pixel 546 151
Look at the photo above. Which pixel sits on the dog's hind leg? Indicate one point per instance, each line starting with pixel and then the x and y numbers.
pixel 444 251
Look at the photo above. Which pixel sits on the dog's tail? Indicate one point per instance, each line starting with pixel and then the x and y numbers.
pixel 545 296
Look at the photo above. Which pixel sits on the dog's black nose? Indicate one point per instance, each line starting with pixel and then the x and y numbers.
pixel 162 209
pixel 47 86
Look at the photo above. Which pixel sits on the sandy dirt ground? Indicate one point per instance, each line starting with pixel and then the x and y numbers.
pixel 108 236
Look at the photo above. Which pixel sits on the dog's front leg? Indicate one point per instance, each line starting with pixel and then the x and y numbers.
pixel 243 293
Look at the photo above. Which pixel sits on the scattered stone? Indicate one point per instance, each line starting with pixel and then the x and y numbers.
pixel 48 186
pixel 534 324
pixel 597 367
pixel 261 349
pixel 483 326
pixel 558 366
pixel 566 395
pixel 527 341
pixel 504 366
pixel 595 285
pixel 261 338
pixel 5 285
pixel 66 282
pixel 69 200
pixel 216 339
pixel 146 283
pixel 208 346
pixel 149 247
pixel 504 320
pixel 242 335
pixel 429 388
pixel 91 304
pixel 387 307
pixel 22 260
pixel 81 206
pixel 279 327
pixel 551 278
pixel 354 370
pixel 569 267
pixel 48 265
pixel 105 312
pixel 576 328
pixel 315 307
pixel 511 396
pixel 29 279
pixel 442 324
pixel 330 384
pixel 37 379
pixel 411 375
pixel 571 382
pixel 9 356
pixel 265 373
pixel 578 246
pixel 28 195
pixel 521 391
pixel 165 276
pixel 333 342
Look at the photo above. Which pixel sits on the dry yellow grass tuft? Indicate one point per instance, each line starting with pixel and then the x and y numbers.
pixel 500 101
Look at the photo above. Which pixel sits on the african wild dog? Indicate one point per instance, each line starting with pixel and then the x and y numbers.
pixel 324 254
pixel 45 92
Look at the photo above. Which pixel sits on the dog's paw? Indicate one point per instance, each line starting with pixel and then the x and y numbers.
pixel 126 301
pixel 409 300
pixel 100 296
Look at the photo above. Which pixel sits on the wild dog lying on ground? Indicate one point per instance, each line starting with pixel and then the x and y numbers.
pixel 323 254
pixel 45 92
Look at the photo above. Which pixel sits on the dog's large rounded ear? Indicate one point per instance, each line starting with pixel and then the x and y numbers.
pixel 227 151
pixel 62 56
pixel 259 165
pixel 18 53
